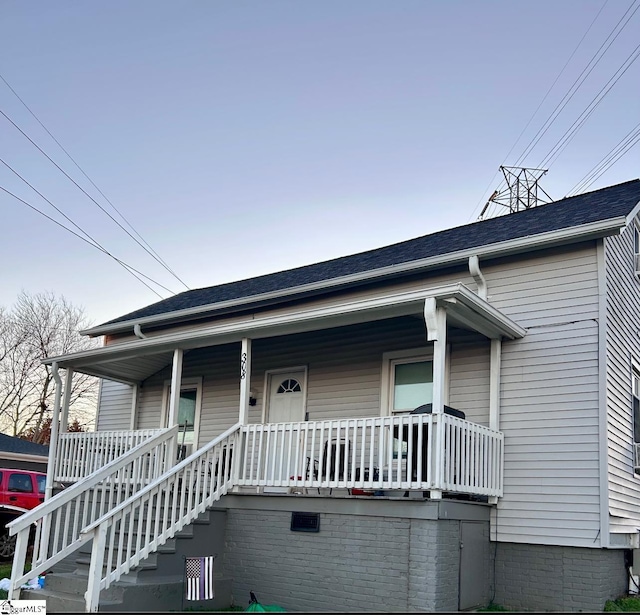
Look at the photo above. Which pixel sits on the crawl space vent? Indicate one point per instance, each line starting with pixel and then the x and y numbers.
pixel 305 522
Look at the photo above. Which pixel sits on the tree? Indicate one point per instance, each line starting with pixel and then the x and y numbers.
pixel 40 326
pixel 43 434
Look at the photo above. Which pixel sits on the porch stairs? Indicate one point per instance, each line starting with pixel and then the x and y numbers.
pixel 156 584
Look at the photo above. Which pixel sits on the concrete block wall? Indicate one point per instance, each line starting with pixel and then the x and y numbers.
pixel 540 577
pixel 434 564
pixel 355 562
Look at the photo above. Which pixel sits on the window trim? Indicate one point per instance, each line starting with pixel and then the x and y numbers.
pixel 635 386
pixel 187 384
pixel 389 360
pixel 636 249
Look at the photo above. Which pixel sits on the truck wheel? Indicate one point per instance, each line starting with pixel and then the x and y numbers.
pixel 7 545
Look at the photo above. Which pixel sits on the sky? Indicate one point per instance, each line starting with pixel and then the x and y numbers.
pixel 243 137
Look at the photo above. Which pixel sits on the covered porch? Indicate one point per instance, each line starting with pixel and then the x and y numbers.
pixel 433 450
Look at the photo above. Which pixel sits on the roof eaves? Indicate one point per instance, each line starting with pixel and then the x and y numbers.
pixel 547 239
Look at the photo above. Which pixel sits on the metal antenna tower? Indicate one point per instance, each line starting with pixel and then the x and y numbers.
pixel 522 191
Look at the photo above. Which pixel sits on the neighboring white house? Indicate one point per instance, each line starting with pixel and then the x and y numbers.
pixel 517 339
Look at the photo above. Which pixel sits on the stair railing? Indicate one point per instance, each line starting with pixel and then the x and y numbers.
pixel 134 529
pixel 58 522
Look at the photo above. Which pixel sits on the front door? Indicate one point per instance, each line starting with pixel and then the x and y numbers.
pixel 286 397
pixel 286 405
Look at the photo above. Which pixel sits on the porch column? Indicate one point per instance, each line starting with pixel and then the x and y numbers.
pixel 494 393
pixel 53 443
pixel 436 320
pixel 245 380
pixel 176 380
pixel 134 406
pixel 494 384
pixel 66 400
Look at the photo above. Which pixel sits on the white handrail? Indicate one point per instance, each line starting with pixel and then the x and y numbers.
pixel 73 508
pixel 154 514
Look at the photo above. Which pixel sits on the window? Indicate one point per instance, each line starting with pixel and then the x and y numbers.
pixel 20 483
pixel 188 412
pixel 42 483
pixel 187 415
pixel 636 250
pixel 289 385
pixel 411 385
pixel 635 394
pixel 407 382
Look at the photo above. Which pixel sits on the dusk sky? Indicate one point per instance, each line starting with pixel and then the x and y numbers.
pixel 246 137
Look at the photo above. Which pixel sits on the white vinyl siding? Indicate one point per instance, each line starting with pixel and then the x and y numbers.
pixel 549 385
pixel 623 347
pixel 344 374
pixel 549 398
pixel 114 406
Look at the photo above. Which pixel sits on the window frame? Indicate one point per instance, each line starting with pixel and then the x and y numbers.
pixel 635 411
pixel 187 384
pixel 636 249
pixel 400 357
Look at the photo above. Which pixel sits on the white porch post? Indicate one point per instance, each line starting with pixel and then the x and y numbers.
pixel 494 384
pixel 436 320
pixel 53 443
pixel 66 400
pixel 245 380
pixel 134 406
pixel 176 380
pixel 494 393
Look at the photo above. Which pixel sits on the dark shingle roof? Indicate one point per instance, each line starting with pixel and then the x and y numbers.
pixel 603 204
pixel 10 444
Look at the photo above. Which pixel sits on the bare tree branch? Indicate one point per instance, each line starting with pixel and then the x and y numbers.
pixel 39 326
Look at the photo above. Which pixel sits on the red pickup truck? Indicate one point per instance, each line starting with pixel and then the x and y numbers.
pixel 20 490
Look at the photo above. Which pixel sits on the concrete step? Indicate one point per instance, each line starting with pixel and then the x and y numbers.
pixel 57 602
pixel 156 584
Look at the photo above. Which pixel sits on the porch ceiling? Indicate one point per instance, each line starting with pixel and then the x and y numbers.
pixel 135 360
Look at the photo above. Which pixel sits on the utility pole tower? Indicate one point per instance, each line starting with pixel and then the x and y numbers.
pixel 522 191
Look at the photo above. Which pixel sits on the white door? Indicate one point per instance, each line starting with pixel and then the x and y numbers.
pixel 286 405
pixel 286 397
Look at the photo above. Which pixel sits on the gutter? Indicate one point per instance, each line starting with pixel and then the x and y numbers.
pixel 23 457
pixel 393 304
pixel 503 248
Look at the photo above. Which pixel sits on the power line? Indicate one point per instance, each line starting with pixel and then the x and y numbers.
pixel 89 196
pixel 130 269
pixel 540 105
pixel 579 81
pixel 89 179
pixel 568 135
pixel 619 150
pixel 90 240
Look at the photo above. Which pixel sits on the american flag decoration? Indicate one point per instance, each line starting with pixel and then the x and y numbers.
pixel 199 578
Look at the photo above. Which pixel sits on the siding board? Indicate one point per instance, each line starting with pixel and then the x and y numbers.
pixel 623 346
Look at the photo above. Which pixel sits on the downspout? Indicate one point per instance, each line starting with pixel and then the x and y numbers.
pixel 53 442
pixel 138 331
pixel 476 274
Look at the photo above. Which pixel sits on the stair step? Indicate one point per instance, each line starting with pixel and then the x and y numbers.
pixel 56 602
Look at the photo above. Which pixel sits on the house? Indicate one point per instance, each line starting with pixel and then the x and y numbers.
pixel 427 426
pixel 22 454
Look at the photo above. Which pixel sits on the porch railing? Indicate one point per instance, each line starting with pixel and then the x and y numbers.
pixel 80 454
pixel 129 532
pixel 409 452
pixel 59 521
